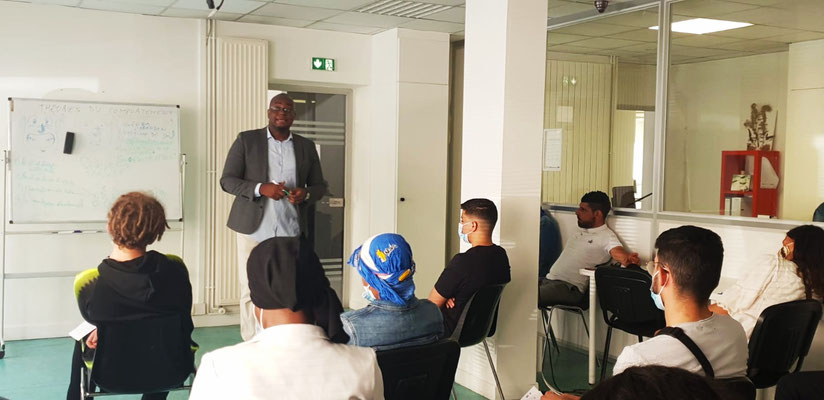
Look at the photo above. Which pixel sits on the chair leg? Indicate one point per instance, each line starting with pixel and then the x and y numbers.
pixel 606 354
pixel 454 395
pixel 640 338
pixel 551 332
pixel 494 373
pixel 584 320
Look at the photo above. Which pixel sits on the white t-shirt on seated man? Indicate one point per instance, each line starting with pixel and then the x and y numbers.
pixel 687 270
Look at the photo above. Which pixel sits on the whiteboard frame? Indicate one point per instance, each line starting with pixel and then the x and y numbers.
pixel 9 153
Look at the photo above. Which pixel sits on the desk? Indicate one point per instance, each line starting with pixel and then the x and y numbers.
pixel 590 272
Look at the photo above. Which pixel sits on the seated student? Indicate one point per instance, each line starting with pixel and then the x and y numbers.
pixel 133 282
pixel 806 385
pixel 795 273
pixel 297 352
pixel 687 269
pixel 394 317
pixel 549 243
pixel 482 265
pixel 592 245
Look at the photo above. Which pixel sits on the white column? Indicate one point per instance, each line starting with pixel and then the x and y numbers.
pixel 502 137
pixel 407 149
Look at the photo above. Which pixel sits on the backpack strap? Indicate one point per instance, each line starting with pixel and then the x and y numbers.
pixel 682 337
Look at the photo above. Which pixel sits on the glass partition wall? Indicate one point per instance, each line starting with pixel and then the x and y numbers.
pixel 741 92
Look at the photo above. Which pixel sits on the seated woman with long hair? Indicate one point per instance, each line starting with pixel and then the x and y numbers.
pixel 796 272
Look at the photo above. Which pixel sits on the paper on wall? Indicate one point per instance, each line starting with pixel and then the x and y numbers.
pixel 553 139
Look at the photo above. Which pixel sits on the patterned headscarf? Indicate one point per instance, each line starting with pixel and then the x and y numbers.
pixel 385 263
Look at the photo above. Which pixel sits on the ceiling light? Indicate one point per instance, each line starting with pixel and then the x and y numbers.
pixel 699 26
pixel 398 8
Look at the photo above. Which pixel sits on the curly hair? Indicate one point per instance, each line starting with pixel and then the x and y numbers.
pixel 136 220
pixel 808 255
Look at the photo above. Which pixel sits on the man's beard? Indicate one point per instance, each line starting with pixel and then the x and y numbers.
pixel 585 225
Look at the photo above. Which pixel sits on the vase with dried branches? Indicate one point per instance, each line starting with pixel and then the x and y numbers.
pixel 757 129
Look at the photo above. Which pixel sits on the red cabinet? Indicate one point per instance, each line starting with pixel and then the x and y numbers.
pixel 763 200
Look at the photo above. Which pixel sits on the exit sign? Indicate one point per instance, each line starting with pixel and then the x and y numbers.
pixel 323 64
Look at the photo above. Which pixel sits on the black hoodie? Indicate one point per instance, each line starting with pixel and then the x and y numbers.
pixel 151 285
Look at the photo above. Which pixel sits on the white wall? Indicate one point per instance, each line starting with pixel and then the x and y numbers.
pixel 708 104
pixel 72 54
pixel 803 171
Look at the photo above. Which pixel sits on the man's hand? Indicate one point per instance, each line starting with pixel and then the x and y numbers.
pixel 272 190
pixel 450 303
pixel 633 259
pixel 297 195
pixel 91 340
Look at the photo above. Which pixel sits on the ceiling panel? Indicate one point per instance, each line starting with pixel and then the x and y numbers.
pixel 754 32
pixel 58 2
pixel 605 43
pixel 260 19
pixel 295 12
pixel 363 19
pixel 333 4
pixel 709 8
pixel 456 15
pixel 561 38
pixel 798 36
pixel 435 26
pixel 563 48
pixel 763 46
pixel 567 9
pixel 643 35
pixel 696 51
pixel 703 40
pixel 641 19
pixel 134 8
pixel 327 26
pixel 594 29
pixel 793 17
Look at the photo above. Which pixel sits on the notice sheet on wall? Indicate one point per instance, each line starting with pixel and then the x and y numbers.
pixel 553 138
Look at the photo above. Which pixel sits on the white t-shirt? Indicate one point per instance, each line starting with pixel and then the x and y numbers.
pixel 720 338
pixel 587 248
pixel 775 281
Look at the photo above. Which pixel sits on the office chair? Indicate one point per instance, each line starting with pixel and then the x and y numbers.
pixel 781 338
pixel 479 321
pixel 419 372
pixel 625 301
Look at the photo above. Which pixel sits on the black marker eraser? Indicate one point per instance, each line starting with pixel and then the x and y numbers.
pixel 69 143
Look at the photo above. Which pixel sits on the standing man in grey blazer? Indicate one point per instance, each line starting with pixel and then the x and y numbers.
pixel 275 175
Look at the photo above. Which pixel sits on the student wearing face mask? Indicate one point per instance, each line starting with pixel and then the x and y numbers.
pixel 687 270
pixel 795 272
pixel 484 264
pixel 394 317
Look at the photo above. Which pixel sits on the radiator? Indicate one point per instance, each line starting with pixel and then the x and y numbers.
pixel 237 83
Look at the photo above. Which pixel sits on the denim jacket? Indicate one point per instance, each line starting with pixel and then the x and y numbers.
pixel 383 325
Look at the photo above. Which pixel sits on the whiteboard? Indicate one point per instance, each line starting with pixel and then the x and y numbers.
pixel 118 148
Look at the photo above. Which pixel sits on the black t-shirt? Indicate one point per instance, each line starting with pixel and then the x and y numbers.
pixel 467 272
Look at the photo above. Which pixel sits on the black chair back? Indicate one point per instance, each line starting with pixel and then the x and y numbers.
pixel 625 300
pixel 419 372
pixel 781 338
pixel 740 388
pixel 479 317
pixel 142 356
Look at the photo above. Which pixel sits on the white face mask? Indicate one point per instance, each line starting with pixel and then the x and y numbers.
pixel 464 236
pixel 259 322
pixel 367 294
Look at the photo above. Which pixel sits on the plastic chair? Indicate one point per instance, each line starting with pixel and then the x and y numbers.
pixel 479 321
pixel 147 355
pixel 781 338
pixel 419 372
pixel 739 388
pixel 625 301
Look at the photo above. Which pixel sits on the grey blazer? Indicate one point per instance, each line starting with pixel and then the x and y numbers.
pixel 247 164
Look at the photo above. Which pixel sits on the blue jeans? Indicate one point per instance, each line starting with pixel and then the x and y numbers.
pixel 383 325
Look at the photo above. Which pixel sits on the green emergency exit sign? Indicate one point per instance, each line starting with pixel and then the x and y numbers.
pixel 323 64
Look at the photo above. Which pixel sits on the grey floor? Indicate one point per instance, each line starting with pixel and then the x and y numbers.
pixel 39 369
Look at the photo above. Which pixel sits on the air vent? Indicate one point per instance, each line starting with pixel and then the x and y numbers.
pixel 408 9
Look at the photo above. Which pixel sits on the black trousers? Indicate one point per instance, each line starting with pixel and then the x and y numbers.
pixel 807 385
pixel 73 393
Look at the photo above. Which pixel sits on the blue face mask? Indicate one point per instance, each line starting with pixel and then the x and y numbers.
pixel 367 294
pixel 656 297
pixel 464 236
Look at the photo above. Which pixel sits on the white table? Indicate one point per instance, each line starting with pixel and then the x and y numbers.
pixel 591 364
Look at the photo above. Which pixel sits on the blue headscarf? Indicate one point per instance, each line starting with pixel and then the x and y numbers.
pixel 385 263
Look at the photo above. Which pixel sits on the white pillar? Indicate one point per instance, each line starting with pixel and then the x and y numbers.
pixel 406 152
pixel 505 62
